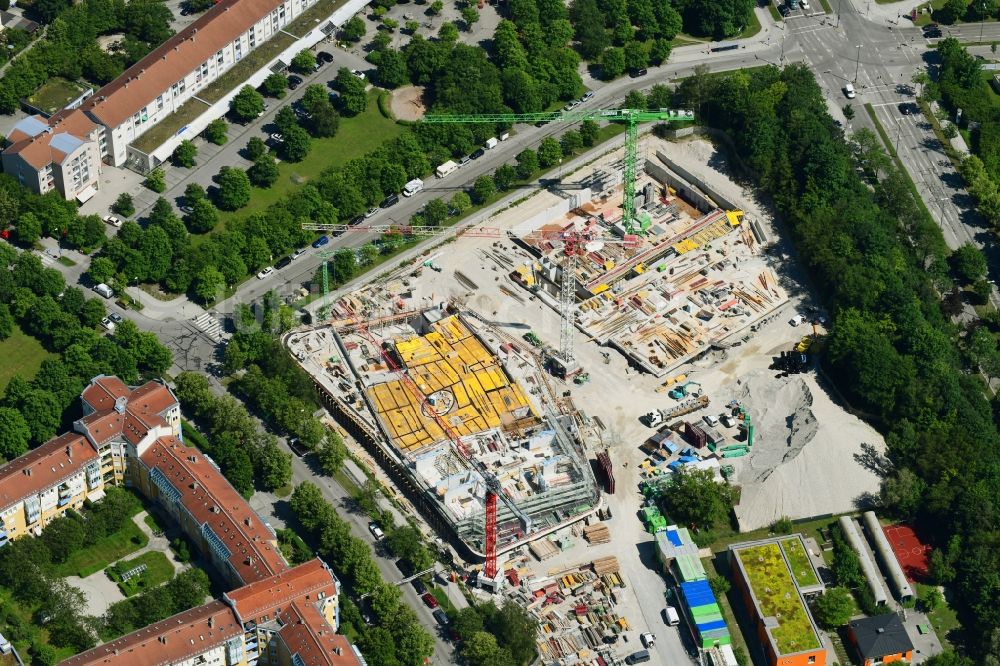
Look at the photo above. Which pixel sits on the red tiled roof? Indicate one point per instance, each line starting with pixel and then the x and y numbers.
pixel 210 499
pixel 169 641
pixel 177 57
pixel 306 633
pixel 303 583
pixel 142 409
pixel 103 391
pixel 44 467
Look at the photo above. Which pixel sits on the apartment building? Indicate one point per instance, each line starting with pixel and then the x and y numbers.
pixel 277 615
pixel 65 151
pixel 60 474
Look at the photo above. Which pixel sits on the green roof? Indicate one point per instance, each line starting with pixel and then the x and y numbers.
pixel 798 559
pixel 776 594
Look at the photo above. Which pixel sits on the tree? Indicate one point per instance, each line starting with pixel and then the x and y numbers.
pixel 325 121
pixel 504 177
pixel 570 142
pixel 527 164
pixel 209 284
pixel 14 433
pixel 636 55
pixel 6 322
pixel 969 263
pixel 296 144
pixel 184 154
pixel 930 599
pixel 848 112
pixel 255 148
pixel 43 414
pixel 86 233
pixel 234 188
pixel 216 132
pixel 481 649
pixel 411 27
pixel 275 466
pixel 589 25
pixel 202 218
pixel 720 585
pixel 314 97
pixel 483 189
pixel 903 491
pixel 332 454
pixel 549 152
pixel 460 202
pixel 156 180
pixel 389 24
pixel 264 171
pixel 435 212
pixel 589 132
pixel 952 11
pixel 613 63
pixel 435 7
pixel 247 104
pixel 353 98
pixel 304 62
pixel 124 205
pixel 469 17
pixel 353 30
pixel 101 270
pixel 392 70
pixel 275 85
pixel 448 33
pixel 694 498
pixel 834 607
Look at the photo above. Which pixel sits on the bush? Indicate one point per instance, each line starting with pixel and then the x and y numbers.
pixel 156 181
pixel 124 205
pixel 184 154
pixel 216 132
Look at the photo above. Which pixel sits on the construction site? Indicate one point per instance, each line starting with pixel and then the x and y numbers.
pixel 523 382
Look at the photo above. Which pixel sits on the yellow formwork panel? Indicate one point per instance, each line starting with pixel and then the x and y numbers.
pixel 485 379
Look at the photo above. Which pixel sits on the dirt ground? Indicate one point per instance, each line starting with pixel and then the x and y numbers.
pixel 408 103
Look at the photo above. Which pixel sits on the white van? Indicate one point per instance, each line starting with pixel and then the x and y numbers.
pixel 104 290
pixel 673 619
pixel 413 187
pixel 491 143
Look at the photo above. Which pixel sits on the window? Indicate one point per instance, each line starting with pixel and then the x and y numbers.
pixel 219 58
pixel 238 49
pixel 159 103
pixel 253 37
pixel 812 660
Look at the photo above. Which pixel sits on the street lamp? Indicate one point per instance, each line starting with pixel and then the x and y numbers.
pixel 857 66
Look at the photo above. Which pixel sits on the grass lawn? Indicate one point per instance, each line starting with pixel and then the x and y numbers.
pixel 357 136
pixel 443 600
pixel 112 547
pixel 66 261
pixel 158 571
pixel 772 585
pixel 775 14
pixel 826 6
pixel 807 529
pixel 32 632
pixel 192 437
pixel 150 520
pixel 55 94
pixel 241 71
pixel 754 26
pixel 943 618
pixel 20 354
pixel 717 564
pixel 799 561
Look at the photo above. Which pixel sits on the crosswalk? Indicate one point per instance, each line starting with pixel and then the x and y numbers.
pixel 209 325
pixel 47 259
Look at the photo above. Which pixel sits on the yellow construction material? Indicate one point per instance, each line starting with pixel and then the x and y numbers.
pixel 735 217
pixel 449 358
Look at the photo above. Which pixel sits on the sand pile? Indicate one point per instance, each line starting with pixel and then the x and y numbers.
pixel 803 460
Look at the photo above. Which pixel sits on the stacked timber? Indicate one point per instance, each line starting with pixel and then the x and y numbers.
pixel 597 533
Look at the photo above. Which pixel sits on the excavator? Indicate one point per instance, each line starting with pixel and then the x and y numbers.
pixel 680 392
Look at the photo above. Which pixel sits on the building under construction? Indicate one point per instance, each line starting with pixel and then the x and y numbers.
pixel 422 379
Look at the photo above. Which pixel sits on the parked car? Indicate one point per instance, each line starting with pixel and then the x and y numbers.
pixel 587 95
pixel 462 162
pixel 324 56
pixel 804 4
pixel 358 73
pixel 479 152
pixel 849 91
pixel 281 264
pixel 648 640
pixel 571 105
pixel 264 273
pixel 419 587
pixel 116 318
pixel 636 73
pixel 371 212
pixel 356 221
pixel 296 446
pixel 321 241
pixel 294 81
pixel 376 531
pixel 277 137
pixel 389 201
pixel 429 599
pixel 113 220
pixel 108 324
pixel 441 618
pixel 784 11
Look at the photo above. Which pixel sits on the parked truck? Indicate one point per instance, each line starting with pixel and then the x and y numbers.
pixel 658 417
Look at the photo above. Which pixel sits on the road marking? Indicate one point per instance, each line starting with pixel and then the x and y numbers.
pixel 209 325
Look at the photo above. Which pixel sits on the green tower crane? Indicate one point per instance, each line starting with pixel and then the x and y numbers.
pixel 631 118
